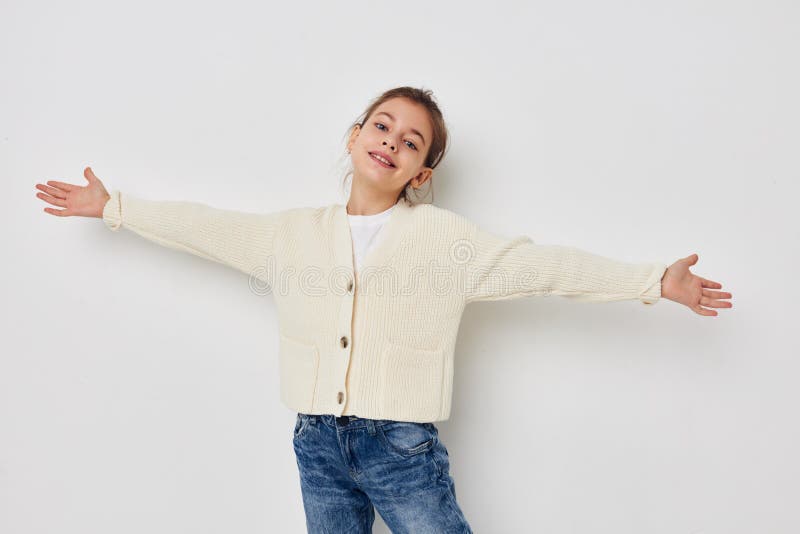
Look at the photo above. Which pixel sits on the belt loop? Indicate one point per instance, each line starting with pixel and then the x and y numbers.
pixel 370 426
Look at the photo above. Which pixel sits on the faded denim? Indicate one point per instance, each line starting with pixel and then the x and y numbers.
pixel 351 466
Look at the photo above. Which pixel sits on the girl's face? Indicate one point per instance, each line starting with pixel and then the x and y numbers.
pixel 400 129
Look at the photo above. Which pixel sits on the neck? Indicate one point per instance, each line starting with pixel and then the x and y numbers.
pixel 361 203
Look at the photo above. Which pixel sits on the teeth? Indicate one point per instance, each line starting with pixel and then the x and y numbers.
pixel 381 159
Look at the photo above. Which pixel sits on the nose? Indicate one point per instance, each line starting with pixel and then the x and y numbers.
pixel 387 143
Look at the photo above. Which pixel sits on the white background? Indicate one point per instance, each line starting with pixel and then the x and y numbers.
pixel 138 385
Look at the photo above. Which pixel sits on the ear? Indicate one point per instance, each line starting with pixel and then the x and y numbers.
pixel 423 176
pixel 353 134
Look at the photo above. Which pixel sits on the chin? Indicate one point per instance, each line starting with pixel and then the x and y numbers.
pixel 376 173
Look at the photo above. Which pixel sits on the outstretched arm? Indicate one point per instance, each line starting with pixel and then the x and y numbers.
pixel 240 240
pixel 505 268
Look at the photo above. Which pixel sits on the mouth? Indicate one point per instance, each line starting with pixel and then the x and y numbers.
pixel 380 160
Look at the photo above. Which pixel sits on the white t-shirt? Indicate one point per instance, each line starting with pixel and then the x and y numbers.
pixel 365 231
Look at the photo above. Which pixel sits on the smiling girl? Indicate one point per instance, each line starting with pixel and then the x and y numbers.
pixel 369 370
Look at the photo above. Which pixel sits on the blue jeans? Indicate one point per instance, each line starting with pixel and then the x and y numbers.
pixel 349 466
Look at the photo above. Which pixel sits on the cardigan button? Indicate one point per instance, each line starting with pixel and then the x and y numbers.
pixel 350 286
pixel 343 341
pixel 340 397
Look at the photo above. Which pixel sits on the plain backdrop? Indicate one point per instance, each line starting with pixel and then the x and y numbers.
pixel 138 385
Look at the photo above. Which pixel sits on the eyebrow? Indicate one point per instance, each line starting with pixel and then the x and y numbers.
pixel 412 129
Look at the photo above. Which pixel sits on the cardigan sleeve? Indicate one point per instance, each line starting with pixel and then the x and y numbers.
pixel 503 268
pixel 240 240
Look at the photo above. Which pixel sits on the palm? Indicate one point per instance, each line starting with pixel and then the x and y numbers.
pixel 86 201
pixel 681 285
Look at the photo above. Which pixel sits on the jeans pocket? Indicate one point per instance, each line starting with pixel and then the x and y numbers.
pixel 408 438
pixel 300 425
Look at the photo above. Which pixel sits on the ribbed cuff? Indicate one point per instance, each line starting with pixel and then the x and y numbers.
pixel 112 212
pixel 653 284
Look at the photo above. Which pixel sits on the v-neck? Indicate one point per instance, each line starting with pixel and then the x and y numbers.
pixel 392 230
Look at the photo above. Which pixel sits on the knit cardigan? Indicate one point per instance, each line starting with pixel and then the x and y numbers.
pixel 378 343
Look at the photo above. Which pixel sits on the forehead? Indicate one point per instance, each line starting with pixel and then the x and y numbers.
pixel 407 113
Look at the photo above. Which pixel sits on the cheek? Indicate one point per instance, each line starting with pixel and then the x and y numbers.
pixel 410 158
pixel 367 136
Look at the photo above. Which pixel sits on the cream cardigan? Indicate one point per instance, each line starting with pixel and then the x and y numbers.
pixel 378 343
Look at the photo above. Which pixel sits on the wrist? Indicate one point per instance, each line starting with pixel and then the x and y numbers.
pixel 103 202
pixel 666 290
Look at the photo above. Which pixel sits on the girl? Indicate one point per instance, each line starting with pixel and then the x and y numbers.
pixel 369 371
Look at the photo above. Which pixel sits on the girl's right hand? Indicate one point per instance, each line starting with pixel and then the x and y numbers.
pixel 87 201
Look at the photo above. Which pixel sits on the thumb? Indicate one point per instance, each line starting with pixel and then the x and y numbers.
pixel 89 175
pixel 692 259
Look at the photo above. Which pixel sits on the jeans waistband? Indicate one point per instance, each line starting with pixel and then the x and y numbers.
pixel 347 421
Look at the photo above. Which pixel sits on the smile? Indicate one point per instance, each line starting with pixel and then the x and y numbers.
pixel 381 161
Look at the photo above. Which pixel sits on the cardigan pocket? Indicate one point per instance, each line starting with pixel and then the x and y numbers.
pixel 299 362
pixel 411 383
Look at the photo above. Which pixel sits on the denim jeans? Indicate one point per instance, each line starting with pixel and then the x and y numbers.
pixel 349 466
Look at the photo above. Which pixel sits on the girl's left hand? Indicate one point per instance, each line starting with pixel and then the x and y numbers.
pixel 680 285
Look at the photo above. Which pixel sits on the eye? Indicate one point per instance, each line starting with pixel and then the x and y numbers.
pixel 381 126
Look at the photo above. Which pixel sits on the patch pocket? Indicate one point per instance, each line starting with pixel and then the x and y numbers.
pixel 411 383
pixel 408 438
pixel 299 363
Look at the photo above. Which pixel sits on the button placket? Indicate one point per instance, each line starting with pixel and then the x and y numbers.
pixel 345 322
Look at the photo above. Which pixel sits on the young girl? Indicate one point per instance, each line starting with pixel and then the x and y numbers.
pixel 367 368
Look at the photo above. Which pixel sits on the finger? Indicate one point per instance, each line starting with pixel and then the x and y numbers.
pixel 52 200
pixel 60 213
pixel 702 311
pixel 52 191
pixel 61 185
pixel 709 283
pixel 89 175
pixel 716 294
pixel 705 301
